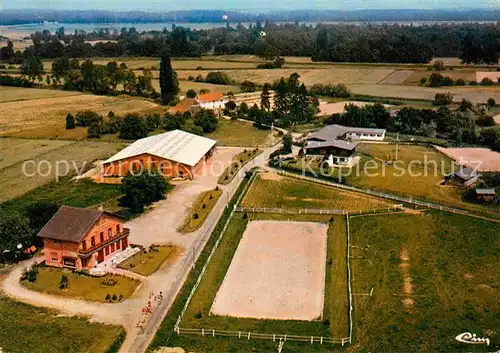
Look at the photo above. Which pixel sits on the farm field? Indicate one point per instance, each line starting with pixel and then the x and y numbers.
pixel 81 286
pixel 476 94
pixel 197 86
pixel 309 76
pixel 26 328
pixel 43 163
pixel 421 282
pixel 41 113
pixel 275 191
pixel 14 94
pixel 481 159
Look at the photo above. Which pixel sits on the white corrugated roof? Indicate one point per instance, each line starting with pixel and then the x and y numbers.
pixel 177 145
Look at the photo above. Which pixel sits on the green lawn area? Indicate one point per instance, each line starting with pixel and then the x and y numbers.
pixel 149 260
pixel 26 328
pixel 239 133
pixel 82 193
pixel 200 210
pixel 335 310
pixel 239 161
pixel 81 286
pixel 453 268
pixel 273 191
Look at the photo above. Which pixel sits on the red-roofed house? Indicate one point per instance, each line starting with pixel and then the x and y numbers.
pixel 214 100
pixel 80 238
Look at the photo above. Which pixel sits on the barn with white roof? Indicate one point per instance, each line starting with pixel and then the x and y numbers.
pixel 175 154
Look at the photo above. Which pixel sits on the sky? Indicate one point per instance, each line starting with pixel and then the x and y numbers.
pixel 253 5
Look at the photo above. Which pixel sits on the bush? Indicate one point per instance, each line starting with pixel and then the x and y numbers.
pixel 108 297
pixel 7 80
pixel 110 282
pixel 487 81
pixel 423 80
pixel 133 127
pixel 190 78
pixel 485 120
pixel 491 102
pixel 447 81
pixel 114 297
pixel 199 78
pixel 248 86
pixel 143 189
pixel 466 105
pixel 191 93
pixel 330 90
pixel 218 78
pixel 70 122
pixel 196 216
pixel 435 80
pixel 94 130
pixel 207 120
pixel 87 118
pixel 459 82
pixel 443 98
pixel 473 83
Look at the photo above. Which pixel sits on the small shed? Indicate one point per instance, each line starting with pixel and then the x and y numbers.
pixel 486 195
pixel 463 177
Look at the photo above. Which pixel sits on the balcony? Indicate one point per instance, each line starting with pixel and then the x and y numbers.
pixel 89 251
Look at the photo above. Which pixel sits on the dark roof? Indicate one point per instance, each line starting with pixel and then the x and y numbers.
pixel 466 173
pixel 71 223
pixel 344 145
pixel 333 132
pixel 486 192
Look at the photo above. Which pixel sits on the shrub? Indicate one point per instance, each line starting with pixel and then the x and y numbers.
pixel 191 93
pixel 487 81
pixel 473 83
pixel 196 216
pixel 70 122
pixel 108 297
pixel 87 118
pixel 435 80
pixel 330 90
pixel 133 127
pixel 248 86
pixel 199 78
pixel 423 80
pixel 109 282
pixel 218 78
pixel 443 98
pixel 485 120
pixel 459 82
pixel 198 314
pixel 190 78
pixel 94 130
pixel 447 81
pixel 466 105
pixel 491 102
pixel 114 297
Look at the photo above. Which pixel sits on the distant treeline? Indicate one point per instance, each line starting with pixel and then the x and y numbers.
pixel 13 17
pixel 473 43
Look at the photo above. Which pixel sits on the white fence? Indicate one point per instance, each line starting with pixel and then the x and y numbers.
pixel 266 336
pixel 314 211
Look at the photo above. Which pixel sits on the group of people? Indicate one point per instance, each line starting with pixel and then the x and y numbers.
pixel 153 301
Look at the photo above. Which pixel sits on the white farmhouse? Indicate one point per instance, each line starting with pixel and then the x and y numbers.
pixel 211 101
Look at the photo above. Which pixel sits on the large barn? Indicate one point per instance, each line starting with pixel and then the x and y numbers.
pixel 175 154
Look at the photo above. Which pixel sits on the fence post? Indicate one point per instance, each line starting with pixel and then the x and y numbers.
pixel 203 332
pixel 274 337
pixel 239 334
pixel 321 340
pixel 312 339
pixel 213 333
pixel 248 334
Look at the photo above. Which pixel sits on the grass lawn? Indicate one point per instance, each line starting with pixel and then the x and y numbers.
pixel 28 164
pixel 289 193
pixel 200 210
pixel 239 161
pixel 81 286
pixel 83 193
pixel 26 328
pixel 335 309
pixel 240 133
pixel 150 260
pixel 453 272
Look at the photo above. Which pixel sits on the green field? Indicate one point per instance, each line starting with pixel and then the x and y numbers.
pixel 28 164
pixel 200 209
pixel 240 133
pixel 288 193
pixel 453 271
pixel 82 286
pixel 149 260
pixel 26 328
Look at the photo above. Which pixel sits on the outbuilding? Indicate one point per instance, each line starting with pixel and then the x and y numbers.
pixel 485 195
pixel 211 101
pixel 174 154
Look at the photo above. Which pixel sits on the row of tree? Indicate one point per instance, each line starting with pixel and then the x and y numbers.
pixel 473 43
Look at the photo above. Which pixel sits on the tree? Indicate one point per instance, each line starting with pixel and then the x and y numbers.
pixel 32 67
pixel 435 80
pixel 133 127
pixel 169 83
pixel 61 68
pixel 491 102
pixel 248 86
pixel 87 118
pixel 218 78
pixel 191 93
pixel 207 120
pixel 39 213
pixel 7 52
pixel 287 141
pixel 70 121
pixel 231 105
pixel 143 189
pixel 466 105
pixel 265 102
pixel 14 230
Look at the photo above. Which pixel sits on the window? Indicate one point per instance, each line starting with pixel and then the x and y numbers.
pixel 113 247
pixel 181 174
pixel 92 241
pixel 117 229
pixel 84 244
pixel 102 237
pixel 110 232
pixel 53 257
pixel 69 262
pixel 106 250
pixel 118 245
